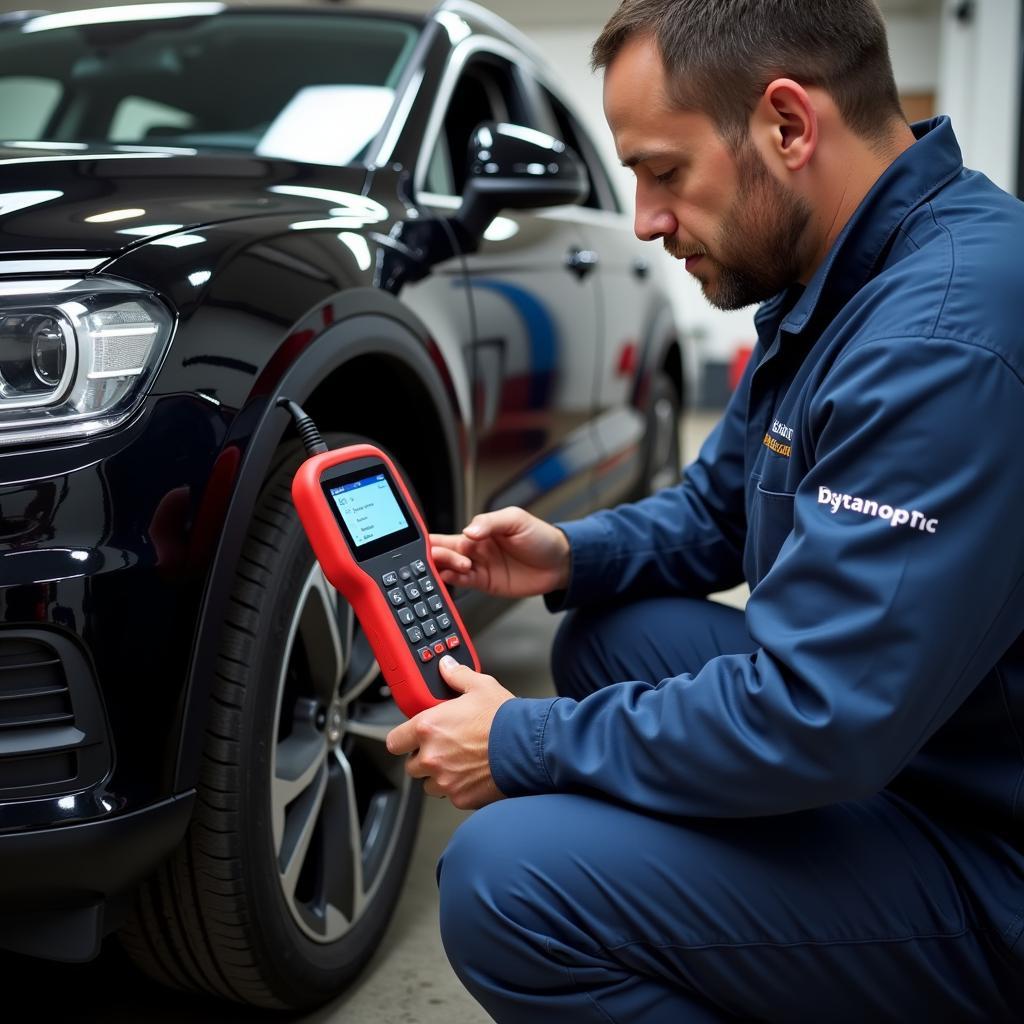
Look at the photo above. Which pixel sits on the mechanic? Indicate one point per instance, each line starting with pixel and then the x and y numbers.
pixel 813 810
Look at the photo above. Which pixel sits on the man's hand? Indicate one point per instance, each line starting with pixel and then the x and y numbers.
pixel 508 553
pixel 448 743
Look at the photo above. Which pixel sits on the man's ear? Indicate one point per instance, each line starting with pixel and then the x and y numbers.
pixel 785 121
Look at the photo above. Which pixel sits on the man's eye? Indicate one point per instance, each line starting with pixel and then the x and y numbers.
pixel 666 178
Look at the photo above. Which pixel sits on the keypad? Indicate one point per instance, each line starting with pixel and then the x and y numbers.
pixel 420 610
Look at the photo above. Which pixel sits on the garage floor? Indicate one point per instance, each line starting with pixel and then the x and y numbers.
pixel 409 980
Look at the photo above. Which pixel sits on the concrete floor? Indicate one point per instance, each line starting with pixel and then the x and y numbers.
pixel 409 981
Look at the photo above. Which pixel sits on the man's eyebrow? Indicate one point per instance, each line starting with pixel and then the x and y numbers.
pixel 641 158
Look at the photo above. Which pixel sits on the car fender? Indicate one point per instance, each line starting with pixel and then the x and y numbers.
pixel 661 337
pixel 366 322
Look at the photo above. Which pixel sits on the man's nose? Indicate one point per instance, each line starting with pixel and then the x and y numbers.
pixel 652 220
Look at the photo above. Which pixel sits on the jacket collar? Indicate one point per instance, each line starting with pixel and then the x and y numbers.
pixel 911 180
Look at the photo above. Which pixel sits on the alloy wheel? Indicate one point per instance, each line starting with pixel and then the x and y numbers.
pixel 337 795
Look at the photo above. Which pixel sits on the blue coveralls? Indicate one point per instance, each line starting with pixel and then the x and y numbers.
pixel 813 811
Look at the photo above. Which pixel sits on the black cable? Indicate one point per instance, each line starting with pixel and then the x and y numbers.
pixel 305 426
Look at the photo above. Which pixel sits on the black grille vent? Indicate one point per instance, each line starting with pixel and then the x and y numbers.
pixel 33 690
pixel 52 735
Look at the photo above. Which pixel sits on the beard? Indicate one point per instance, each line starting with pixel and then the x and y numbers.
pixel 758 251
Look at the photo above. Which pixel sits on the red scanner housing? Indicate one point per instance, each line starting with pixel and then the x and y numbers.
pixel 391 611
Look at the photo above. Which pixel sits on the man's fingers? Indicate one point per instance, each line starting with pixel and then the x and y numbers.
pixel 457 676
pixel 402 739
pixel 454 541
pixel 490 524
pixel 446 558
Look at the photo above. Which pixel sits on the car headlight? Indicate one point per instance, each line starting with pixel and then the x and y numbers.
pixel 75 356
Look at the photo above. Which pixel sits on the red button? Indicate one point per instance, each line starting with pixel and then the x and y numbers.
pixel 439 648
pixel 426 654
pixel 452 641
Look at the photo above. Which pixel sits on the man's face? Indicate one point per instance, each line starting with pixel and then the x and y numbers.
pixel 741 231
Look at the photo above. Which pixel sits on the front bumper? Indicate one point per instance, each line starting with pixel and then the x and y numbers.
pixel 100 568
pixel 57 884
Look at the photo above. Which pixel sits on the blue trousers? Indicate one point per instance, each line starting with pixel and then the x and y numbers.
pixel 572 909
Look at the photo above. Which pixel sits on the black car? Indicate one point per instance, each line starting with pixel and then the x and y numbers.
pixel 398 223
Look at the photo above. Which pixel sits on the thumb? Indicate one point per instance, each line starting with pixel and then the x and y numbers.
pixel 457 676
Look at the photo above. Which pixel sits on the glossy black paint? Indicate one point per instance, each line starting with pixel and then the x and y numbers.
pixel 350 291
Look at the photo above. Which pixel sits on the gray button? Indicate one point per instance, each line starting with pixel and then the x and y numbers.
pixel 419 567
pixel 390 579
pixel 406 617
pixel 405 573
pixel 395 597
pixel 412 591
pixel 435 602
pixel 430 627
pixel 415 634
pixel 420 609
pixel 427 585
pixel 444 621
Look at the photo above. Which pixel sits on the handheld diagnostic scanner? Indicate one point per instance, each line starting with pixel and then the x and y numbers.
pixel 371 542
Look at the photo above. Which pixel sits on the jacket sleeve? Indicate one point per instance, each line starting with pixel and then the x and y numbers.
pixel 686 539
pixel 896 591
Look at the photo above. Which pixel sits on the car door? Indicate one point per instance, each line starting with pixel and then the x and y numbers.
pixel 629 309
pixel 535 345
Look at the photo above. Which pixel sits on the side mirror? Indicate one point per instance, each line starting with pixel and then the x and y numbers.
pixel 514 168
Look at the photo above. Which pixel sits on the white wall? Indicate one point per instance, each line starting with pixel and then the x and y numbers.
pixel 979 84
pixel 914 48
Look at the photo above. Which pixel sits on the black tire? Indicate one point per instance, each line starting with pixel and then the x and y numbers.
pixel 218 917
pixel 662 449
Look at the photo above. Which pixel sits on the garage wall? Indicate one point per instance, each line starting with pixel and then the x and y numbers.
pixel 979 84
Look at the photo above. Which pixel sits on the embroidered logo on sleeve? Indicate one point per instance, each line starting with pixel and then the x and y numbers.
pixel 779 439
pixel 866 507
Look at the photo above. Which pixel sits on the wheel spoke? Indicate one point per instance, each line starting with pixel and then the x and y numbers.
pixel 342 850
pixel 299 829
pixel 362 669
pixel 321 634
pixel 297 760
pixel 374 722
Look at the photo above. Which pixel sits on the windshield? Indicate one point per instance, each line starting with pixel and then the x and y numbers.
pixel 308 87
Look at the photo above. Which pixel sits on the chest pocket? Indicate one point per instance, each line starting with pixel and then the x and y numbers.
pixel 768 525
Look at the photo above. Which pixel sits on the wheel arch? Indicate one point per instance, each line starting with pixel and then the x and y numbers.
pixel 662 351
pixel 374 342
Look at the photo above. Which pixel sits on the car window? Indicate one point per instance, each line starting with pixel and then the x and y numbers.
pixel 300 86
pixel 487 90
pixel 27 103
pixel 573 134
pixel 136 119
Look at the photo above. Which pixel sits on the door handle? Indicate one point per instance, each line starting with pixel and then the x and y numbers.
pixel 581 261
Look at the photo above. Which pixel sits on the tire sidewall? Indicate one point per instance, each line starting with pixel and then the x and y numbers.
pixel 304 972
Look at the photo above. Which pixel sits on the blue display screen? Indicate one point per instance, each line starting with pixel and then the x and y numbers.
pixel 369 509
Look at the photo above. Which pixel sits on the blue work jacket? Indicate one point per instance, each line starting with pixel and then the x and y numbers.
pixel 867 481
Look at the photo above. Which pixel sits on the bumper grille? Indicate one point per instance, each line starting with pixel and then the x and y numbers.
pixel 52 729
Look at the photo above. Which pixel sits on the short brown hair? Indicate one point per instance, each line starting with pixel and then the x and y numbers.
pixel 720 55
